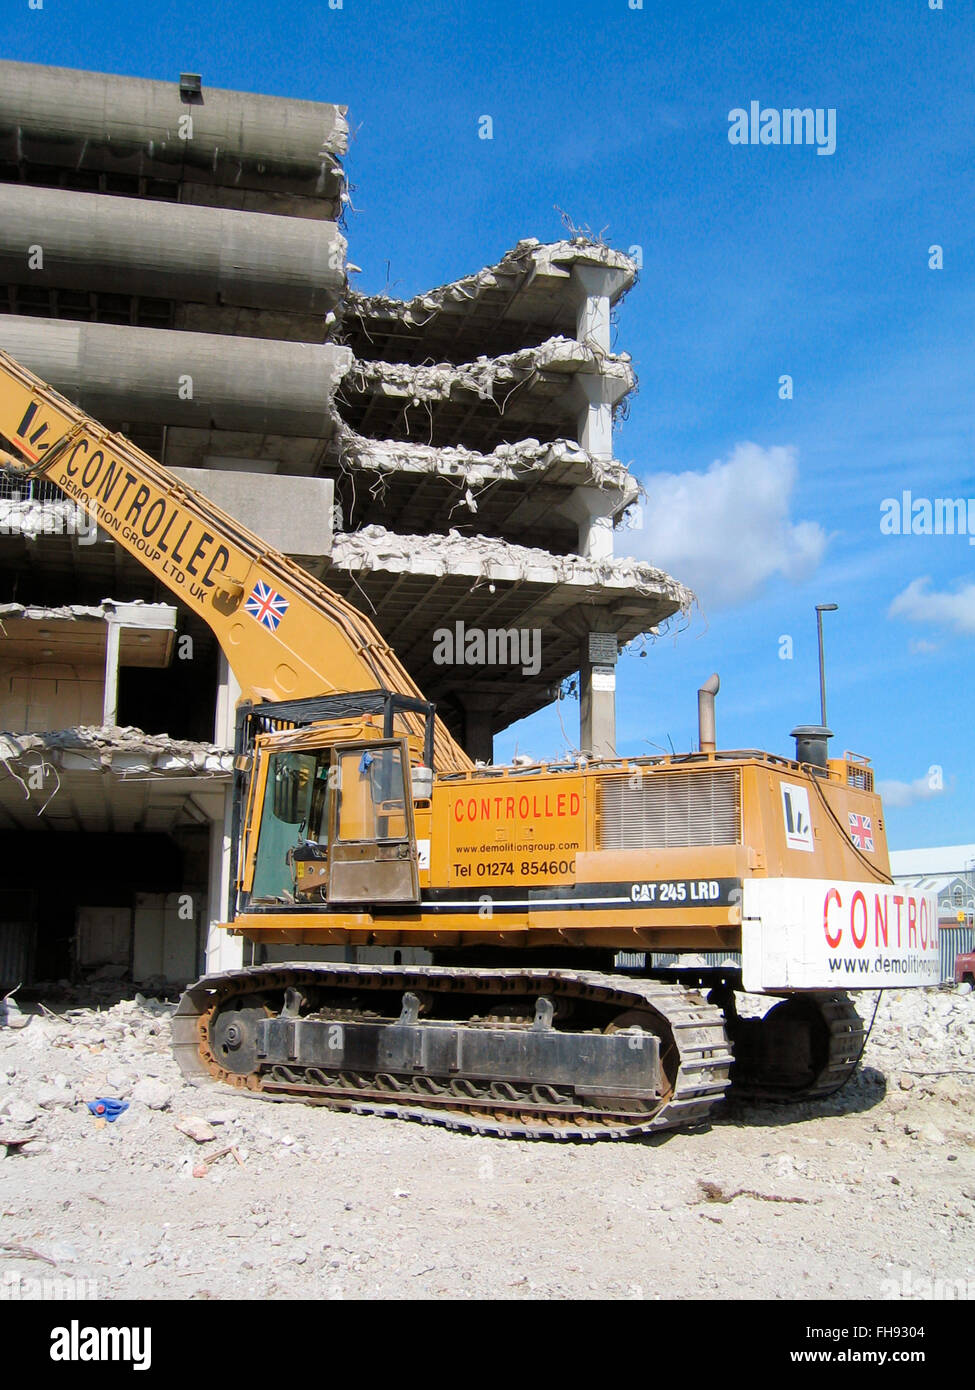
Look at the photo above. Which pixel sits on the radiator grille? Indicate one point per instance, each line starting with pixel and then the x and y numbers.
pixel 667 810
pixel 858 775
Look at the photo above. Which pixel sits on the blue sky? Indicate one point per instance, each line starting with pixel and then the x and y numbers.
pixel 758 261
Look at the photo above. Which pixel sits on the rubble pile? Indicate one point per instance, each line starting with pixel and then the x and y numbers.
pixel 922 1030
pixel 55 1065
pixel 122 1181
pixel 52 1064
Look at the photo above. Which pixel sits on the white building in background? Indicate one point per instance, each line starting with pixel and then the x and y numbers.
pixel 948 871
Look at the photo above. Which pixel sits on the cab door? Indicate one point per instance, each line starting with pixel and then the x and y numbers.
pixel 372 843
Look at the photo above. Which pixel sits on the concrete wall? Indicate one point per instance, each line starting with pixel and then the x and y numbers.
pixel 294 515
pixel 143 375
pixel 88 241
pixel 104 936
pixel 166 928
pixel 40 697
pixel 100 121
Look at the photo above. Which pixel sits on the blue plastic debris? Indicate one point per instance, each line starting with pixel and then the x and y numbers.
pixel 107 1108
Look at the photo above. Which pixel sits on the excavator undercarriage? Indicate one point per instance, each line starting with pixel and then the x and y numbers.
pixel 520 1053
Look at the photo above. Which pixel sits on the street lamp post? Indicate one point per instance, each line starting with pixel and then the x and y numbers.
pixel 822 608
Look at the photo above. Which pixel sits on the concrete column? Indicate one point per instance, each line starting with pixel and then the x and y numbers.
pixel 599 285
pixel 228 693
pixel 113 643
pixel 597 694
pixel 594 397
pixel 223 951
pixel 478 738
pixel 592 509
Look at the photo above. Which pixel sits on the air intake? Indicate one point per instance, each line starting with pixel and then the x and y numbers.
pixel 669 810
pixel 811 745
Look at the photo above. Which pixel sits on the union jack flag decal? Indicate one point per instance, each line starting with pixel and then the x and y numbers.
pixel 266 606
pixel 861 831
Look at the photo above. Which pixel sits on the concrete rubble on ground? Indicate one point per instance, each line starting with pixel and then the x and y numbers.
pixel 209 1192
pixel 924 1030
pixel 55 1058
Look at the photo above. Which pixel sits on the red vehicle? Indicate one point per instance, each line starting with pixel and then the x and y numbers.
pixel 965 969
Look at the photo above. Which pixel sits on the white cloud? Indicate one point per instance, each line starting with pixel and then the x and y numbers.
pixel 919 604
pixel 727 531
pixel 907 793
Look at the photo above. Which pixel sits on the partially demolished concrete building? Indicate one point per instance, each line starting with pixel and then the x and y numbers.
pixel 175 262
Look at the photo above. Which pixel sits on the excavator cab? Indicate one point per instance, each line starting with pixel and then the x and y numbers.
pixel 330 815
pixel 292 830
pixel 372 842
pixel 356 842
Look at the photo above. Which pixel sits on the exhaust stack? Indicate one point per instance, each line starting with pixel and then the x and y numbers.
pixel 705 714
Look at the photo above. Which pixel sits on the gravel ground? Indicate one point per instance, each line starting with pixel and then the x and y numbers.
pixel 870 1194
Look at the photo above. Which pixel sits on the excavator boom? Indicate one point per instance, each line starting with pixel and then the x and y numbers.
pixel 285 635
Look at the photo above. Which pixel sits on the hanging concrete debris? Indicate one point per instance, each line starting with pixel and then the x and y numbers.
pixel 122 750
pixel 527 389
pixel 490 559
pixel 531 294
pixel 108 608
pixel 560 461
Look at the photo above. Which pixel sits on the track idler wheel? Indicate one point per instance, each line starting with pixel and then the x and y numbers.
pixel 233 1035
pixel 806 1046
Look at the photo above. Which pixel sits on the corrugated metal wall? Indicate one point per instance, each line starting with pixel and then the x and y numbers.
pixel 661 960
pixel 16 923
pixel 954 941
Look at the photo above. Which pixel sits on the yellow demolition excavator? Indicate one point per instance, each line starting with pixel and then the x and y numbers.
pixel 359 821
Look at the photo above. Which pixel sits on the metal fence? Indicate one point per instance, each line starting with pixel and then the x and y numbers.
pixel 662 960
pixel 955 941
pixel 17 487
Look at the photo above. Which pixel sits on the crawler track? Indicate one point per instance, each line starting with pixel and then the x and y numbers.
pixel 836 1044
pixel 695 1055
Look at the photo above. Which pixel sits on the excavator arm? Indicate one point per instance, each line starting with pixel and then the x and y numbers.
pixel 285 635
